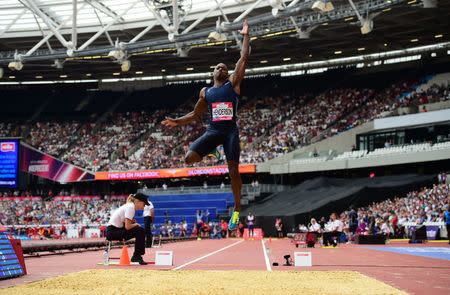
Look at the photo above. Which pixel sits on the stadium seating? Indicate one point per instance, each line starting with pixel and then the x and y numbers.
pixel 352 155
pixel 130 137
pixel 184 207
pixel 176 208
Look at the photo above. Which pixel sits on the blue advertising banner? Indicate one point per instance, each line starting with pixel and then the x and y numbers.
pixel 9 162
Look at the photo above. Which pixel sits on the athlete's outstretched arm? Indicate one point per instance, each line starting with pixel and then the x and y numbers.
pixel 239 71
pixel 200 107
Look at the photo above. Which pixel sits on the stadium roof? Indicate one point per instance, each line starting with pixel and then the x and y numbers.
pixel 159 37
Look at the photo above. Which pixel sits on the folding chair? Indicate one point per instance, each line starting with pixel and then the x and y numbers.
pixel 108 249
pixel 159 242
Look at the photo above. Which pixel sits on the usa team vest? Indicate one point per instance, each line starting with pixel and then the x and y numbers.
pixel 222 104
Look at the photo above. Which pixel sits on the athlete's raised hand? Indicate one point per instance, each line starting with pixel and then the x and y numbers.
pixel 169 122
pixel 244 30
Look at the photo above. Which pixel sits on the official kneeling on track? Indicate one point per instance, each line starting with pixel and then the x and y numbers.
pixel 122 226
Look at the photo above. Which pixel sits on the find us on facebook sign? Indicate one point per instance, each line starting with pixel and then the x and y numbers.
pixel 9 159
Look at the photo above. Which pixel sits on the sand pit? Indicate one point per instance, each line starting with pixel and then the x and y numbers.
pixel 117 281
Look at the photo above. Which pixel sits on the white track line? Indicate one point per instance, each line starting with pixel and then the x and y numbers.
pixel 265 255
pixel 207 255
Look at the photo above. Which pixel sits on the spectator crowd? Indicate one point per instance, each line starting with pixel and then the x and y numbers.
pixel 269 126
pixel 389 217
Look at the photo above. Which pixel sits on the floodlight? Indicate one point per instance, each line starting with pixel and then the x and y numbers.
pixel 116 54
pixel 126 64
pixel 15 65
pixel 275 11
pixel 183 52
pixel 367 26
pixel 216 36
pixel 58 64
pixel 304 34
pixel 322 7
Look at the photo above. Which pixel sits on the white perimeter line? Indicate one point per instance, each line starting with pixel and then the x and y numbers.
pixel 265 255
pixel 207 255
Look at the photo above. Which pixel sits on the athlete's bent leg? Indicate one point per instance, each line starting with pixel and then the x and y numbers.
pixel 192 157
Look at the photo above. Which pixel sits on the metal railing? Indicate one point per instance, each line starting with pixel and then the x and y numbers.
pixel 185 190
pixel 247 189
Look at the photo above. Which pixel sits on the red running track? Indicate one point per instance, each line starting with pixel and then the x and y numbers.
pixel 413 274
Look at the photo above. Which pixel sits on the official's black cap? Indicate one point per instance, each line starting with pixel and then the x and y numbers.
pixel 142 197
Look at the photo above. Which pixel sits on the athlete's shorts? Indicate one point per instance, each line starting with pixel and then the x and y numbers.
pixel 251 227
pixel 214 137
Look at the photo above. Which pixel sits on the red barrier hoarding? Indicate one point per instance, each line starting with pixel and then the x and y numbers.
pixel 77 198
pixel 118 197
pixel 170 173
pixel 21 199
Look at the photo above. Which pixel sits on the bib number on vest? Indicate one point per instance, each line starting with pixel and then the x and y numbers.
pixel 222 111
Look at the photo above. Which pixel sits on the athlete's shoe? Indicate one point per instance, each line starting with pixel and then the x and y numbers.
pixel 234 221
pixel 216 154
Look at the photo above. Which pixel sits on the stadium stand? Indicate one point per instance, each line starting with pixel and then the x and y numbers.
pixel 395 216
pixel 344 104
pixel 106 138
pixel 27 217
pixel 172 209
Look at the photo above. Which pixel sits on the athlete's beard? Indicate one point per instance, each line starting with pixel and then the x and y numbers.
pixel 221 77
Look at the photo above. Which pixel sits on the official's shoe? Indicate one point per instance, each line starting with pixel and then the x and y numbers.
pixel 138 259
pixel 234 221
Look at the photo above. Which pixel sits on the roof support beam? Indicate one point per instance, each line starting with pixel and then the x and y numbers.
pixel 302 34
pixel 142 33
pixel 300 12
pixel 35 9
pixel 175 20
pixel 45 39
pixel 238 42
pixel 245 13
pixel 56 20
pixel 101 24
pixel 292 3
pixel 101 7
pixel 199 20
pixel 356 10
pixel 43 34
pixel 105 28
pixel 158 17
pixel 40 43
pixel 13 22
pixel 74 24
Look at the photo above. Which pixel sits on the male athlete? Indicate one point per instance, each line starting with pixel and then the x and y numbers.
pixel 221 100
